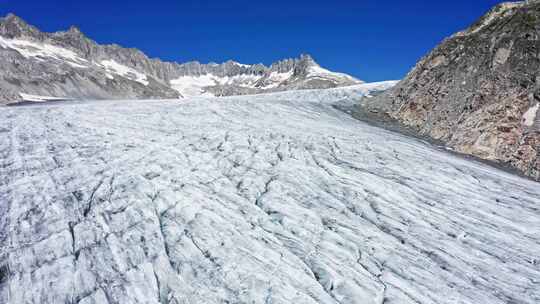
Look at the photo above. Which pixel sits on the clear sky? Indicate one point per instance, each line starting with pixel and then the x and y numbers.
pixel 372 40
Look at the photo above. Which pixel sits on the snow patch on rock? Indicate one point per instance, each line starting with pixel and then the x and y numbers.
pixel 38 98
pixel 318 71
pixel 529 116
pixel 275 79
pixel 40 51
pixel 191 86
pixel 116 68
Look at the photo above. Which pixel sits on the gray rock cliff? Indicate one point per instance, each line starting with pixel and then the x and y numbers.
pixel 479 90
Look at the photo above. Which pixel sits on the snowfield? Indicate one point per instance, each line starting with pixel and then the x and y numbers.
pixel 257 199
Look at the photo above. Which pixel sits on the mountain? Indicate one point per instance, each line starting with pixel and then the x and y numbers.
pixel 269 199
pixel 67 64
pixel 479 90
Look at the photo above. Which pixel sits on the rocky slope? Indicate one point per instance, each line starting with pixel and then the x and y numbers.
pixel 275 198
pixel 67 64
pixel 479 90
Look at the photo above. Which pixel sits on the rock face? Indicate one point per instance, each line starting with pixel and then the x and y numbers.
pixel 479 90
pixel 67 64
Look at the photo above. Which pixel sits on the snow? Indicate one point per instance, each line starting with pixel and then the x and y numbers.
pixel 253 199
pixel 242 65
pixel 530 115
pixel 276 78
pixel 41 51
pixel 317 71
pixel 38 98
pixel 192 86
pixel 341 95
pixel 116 68
pixel 189 86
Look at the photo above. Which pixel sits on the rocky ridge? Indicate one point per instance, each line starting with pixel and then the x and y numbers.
pixel 69 64
pixel 479 90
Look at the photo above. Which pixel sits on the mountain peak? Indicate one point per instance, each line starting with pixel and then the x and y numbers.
pixel 74 29
pixel 307 59
pixel 13 26
pixel 302 65
pixel 11 17
pixel 73 32
pixel 298 65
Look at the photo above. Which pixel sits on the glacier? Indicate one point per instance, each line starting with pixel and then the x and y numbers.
pixel 276 198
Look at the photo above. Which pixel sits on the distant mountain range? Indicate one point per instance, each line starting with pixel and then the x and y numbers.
pixel 67 64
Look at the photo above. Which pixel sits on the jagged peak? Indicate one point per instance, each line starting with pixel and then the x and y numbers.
pixel 307 59
pixel 11 17
pixel 12 26
pixel 299 66
pixel 302 59
pixel 74 29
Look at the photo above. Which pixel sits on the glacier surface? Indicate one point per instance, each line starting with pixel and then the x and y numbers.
pixel 277 198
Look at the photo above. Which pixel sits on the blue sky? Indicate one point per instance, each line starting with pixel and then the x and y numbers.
pixel 372 40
